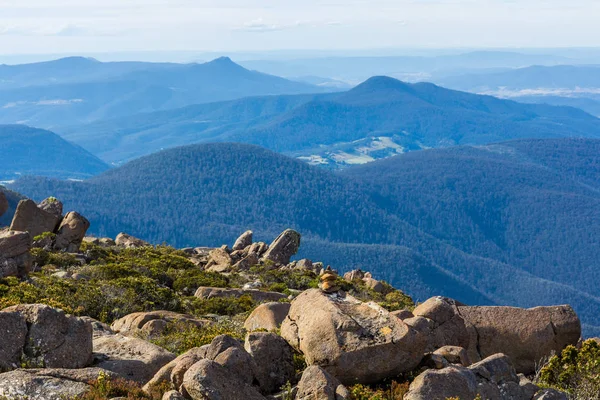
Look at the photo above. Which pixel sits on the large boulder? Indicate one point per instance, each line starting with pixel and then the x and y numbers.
pixel 283 247
pixel 274 360
pixel 71 232
pixel 267 316
pixel 243 241
pixel 492 379
pixel 53 206
pixel 153 323
pixel 46 384
pixel 54 339
pixel 445 324
pixel 129 242
pixel 354 341
pixel 31 218
pixel 3 204
pixel 208 380
pixel 205 293
pixel 318 384
pixel 13 330
pixel 525 335
pixel 131 358
pixel 15 259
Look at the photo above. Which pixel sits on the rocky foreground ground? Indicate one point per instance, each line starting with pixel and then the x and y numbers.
pixel 247 323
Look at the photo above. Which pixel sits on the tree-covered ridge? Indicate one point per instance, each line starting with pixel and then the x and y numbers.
pixel 412 116
pixel 485 225
pixel 31 151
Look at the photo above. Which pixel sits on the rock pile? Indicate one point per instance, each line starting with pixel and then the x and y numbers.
pixel 61 233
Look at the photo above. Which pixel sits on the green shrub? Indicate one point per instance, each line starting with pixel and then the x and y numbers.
pixel 181 337
pixel 221 306
pixel 393 391
pixel 105 388
pixel 575 371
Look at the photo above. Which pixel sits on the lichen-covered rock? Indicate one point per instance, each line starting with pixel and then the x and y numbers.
pixel 246 263
pixel 131 358
pixel 257 295
pixel 129 242
pixel 173 395
pixel 274 360
pixel 283 247
pixel 71 232
pixel 54 339
pixel 550 394
pixel 15 259
pixel 525 335
pixel 30 218
pixel 267 316
pixel 318 384
pixel 13 331
pixel 208 380
pixel 43 385
pixel 243 241
pixel 354 341
pixel 492 379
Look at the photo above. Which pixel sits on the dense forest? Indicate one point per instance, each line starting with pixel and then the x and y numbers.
pixel 414 116
pixel 30 151
pixel 515 223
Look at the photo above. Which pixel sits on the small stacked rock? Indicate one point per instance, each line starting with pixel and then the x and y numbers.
pixel 328 282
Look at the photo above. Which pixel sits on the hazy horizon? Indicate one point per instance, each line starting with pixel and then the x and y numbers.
pixel 233 26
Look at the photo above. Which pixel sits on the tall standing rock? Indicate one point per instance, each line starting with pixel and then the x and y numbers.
pixel 284 247
pixel 354 341
pixel 71 232
pixel 243 241
pixel 30 218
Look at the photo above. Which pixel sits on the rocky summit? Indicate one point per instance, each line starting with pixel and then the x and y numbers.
pixel 100 318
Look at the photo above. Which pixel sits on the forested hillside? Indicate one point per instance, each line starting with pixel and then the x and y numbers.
pixel 490 225
pixel 30 151
pixel 377 119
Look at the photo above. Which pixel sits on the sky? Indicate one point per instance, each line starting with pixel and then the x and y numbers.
pixel 87 26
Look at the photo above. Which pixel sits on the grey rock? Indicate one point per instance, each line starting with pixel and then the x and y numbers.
pixel 550 394
pixel 54 339
pixel 128 241
pixel 268 316
pixel 131 358
pixel 274 360
pixel 243 241
pixel 53 206
pixel 283 247
pixel 13 331
pixel 14 243
pixel 446 325
pixel 339 333
pixel 257 295
pixel 71 232
pixel 174 371
pixel 30 218
pixel 154 323
pixel 525 335
pixel 318 384
pixel 27 384
pixel 207 380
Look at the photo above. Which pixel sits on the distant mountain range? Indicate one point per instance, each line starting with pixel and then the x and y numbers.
pixel 512 223
pixel 31 151
pixel 356 69
pixel 570 85
pixel 80 90
pixel 377 119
